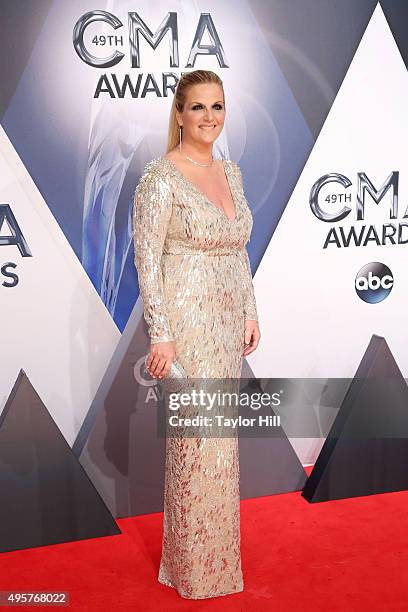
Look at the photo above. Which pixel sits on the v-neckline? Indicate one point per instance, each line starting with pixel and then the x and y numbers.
pixel 202 194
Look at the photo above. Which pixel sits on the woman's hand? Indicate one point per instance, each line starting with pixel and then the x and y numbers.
pixel 161 356
pixel 252 336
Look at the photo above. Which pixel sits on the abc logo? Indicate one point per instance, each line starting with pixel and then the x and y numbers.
pixel 374 282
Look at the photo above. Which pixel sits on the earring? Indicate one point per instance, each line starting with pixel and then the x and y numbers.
pixel 180 138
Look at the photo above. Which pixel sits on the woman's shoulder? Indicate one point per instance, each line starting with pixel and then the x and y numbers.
pixel 233 165
pixel 154 166
pixel 155 174
pixel 235 170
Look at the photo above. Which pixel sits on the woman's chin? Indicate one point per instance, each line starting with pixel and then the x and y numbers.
pixel 206 138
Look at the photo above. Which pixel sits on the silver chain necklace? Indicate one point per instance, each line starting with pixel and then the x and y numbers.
pixel 198 163
pixel 192 160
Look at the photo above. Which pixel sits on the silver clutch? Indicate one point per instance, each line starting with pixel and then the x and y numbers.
pixel 176 380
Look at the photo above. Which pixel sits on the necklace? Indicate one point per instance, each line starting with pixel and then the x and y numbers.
pixel 198 163
pixel 192 160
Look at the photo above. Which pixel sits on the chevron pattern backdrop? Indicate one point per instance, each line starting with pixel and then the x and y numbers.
pixel 316 94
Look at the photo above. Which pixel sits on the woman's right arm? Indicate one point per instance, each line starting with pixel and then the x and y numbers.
pixel 152 207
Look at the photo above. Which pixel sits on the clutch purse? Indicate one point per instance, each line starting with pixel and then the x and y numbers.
pixel 176 380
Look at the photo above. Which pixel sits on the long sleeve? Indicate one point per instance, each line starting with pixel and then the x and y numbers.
pixel 247 285
pixel 151 215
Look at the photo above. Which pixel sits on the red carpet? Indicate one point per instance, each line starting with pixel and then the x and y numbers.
pixel 348 555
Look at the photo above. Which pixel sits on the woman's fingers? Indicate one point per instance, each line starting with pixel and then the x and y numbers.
pixel 160 359
pixel 253 340
pixel 154 365
pixel 162 368
pixel 250 347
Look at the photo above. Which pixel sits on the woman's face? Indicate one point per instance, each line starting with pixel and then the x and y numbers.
pixel 203 114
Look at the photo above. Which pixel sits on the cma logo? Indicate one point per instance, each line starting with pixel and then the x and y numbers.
pixel 17 239
pixel 137 27
pixel 336 210
pixel 364 185
pixel 374 282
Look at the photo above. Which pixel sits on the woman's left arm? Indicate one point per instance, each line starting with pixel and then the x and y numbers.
pixel 250 309
pixel 252 333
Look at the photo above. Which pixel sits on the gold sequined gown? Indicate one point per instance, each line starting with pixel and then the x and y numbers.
pixel 196 285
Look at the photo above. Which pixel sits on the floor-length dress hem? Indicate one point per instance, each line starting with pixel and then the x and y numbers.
pixel 184 596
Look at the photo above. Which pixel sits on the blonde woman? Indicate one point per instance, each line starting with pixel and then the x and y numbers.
pixel 191 225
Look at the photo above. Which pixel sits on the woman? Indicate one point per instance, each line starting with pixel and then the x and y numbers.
pixel 191 224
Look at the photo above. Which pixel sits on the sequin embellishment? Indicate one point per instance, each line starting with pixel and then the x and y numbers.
pixel 196 286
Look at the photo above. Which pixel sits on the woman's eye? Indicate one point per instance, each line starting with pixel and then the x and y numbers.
pixel 197 106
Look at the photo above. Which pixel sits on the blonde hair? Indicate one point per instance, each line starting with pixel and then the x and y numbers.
pixel 187 79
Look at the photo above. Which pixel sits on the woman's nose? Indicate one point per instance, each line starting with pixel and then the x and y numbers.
pixel 208 115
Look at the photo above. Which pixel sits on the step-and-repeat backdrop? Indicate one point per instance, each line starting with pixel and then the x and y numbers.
pixel 316 98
